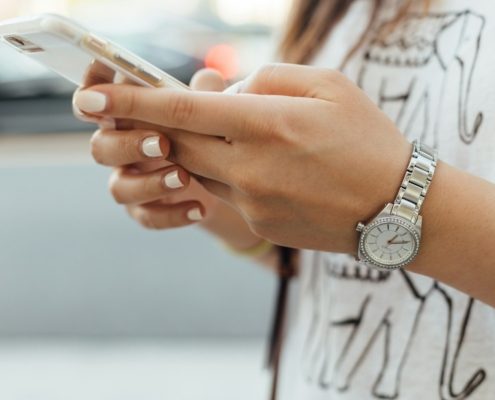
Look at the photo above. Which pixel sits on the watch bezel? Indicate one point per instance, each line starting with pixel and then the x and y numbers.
pixel 392 219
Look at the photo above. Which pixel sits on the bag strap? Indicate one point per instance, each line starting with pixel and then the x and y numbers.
pixel 286 271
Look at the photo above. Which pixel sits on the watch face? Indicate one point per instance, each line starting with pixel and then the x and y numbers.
pixel 389 242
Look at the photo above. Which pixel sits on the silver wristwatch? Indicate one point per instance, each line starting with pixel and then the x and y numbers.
pixel 391 239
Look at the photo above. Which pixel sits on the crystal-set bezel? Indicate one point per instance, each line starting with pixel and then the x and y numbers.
pixel 390 220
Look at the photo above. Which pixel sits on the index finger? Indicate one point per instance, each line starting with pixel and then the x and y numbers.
pixel 216 114
pixel 98 73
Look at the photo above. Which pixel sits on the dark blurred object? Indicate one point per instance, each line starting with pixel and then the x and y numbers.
pixel 45 114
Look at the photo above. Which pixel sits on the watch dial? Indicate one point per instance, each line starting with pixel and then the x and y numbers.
pixel 390 244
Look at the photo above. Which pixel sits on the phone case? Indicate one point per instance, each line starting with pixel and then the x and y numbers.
pixel 76 54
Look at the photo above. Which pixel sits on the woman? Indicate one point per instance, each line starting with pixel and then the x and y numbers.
pixel 299 156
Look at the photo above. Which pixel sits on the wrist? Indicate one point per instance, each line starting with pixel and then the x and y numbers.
pixel 458 228
pixel 392 238
pixel 439 221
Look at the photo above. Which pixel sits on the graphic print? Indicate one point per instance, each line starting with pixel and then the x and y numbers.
pixel 406 73
pixel 363 324
pixel 426 49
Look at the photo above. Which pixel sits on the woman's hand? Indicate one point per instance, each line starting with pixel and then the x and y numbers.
pixel 308 154
pixel 156 192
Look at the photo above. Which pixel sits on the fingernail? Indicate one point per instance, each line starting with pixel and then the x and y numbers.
pixel 90 101
pixel 172 180
pixel 108 123
pixel 151 147
pixel 195 214
pixel 84 117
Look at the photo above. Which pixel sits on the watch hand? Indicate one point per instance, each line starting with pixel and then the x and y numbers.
pixel 403 242
pixel 391 240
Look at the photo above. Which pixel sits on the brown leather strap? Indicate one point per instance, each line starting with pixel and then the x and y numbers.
pixel 286 272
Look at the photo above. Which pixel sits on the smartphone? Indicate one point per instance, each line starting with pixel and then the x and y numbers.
pixel 72 51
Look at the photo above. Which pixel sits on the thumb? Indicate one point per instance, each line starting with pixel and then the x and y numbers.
pixel 208 80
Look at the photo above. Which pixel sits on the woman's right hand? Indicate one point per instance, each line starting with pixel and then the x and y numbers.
pixel 156 193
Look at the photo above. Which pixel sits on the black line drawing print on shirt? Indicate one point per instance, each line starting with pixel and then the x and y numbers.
pixel 370 321
pixel 443 45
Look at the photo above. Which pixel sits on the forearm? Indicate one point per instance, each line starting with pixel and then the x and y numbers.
pixel 228 226
pixel 458 245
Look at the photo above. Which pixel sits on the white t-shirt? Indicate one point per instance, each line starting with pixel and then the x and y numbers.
pixel 358 334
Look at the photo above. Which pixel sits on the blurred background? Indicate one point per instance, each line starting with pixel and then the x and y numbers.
pixel 91 305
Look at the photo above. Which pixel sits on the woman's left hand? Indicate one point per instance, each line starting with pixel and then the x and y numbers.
pixel 308 154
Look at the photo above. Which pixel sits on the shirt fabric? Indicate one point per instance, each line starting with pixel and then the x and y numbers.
pixel 355 333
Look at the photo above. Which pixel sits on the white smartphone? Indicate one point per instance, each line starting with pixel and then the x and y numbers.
pixel 70 50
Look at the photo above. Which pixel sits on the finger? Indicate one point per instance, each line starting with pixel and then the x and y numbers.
pixel 118 148
pixel 292 80
pixel 210 157
pixel 98 73
pixel 159 216
pixel 80 115
pixel 207 113
pixel 105 122
pixel 205 79
pixel 131 188
pixel 209 80
pixel 194 152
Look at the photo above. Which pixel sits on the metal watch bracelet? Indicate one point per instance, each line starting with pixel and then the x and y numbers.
pixel 416 182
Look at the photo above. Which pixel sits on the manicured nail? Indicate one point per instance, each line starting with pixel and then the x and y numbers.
pixel 195 214
pixel 151 147
pixel 84 117
pixel 172 180
pixel 90 101
pixel 108 123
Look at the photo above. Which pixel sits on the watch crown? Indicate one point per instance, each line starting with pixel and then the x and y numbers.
pixel 360 227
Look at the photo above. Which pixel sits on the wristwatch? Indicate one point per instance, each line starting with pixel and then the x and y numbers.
pixel 392 238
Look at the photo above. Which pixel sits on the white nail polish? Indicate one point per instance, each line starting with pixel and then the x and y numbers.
pixel 84 117
pixel 195 214
pixel 90 101
pixel 151 147
pixel 172 180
